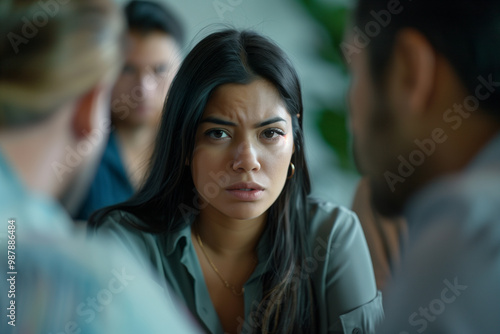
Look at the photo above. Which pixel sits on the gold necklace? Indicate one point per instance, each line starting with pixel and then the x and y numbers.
pixel 226 283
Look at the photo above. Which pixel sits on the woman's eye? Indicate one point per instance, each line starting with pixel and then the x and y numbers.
pixel 272 133
pixel 217 134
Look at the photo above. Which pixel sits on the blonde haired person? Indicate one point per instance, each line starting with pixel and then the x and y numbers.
pixel 58 61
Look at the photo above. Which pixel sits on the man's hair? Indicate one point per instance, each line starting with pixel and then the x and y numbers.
pixel 147 16
pixel 465 32
pixel 51 53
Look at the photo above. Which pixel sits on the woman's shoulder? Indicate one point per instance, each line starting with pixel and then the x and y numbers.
pixel 332 225
pixel 341 260
pixel 124 228
pixel 318 205
pixel 327 217
pixel 120 220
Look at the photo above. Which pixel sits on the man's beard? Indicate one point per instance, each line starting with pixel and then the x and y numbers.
pixel 382 157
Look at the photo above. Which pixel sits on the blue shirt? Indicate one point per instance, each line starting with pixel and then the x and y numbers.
pixel 340 268
pixel 60 282
pixel 111 184
pixel 449 280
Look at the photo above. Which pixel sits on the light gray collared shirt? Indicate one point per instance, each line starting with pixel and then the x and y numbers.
pixel 449 281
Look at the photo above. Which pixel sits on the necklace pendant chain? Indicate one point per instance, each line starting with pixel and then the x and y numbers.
pixel 229 286
pixel 241 293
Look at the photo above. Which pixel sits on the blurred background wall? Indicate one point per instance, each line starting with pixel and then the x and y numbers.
pixel 309 31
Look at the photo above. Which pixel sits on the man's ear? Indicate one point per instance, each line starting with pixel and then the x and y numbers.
pixel 85 109
pixel 414 71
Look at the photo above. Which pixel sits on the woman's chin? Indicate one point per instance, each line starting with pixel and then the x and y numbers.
pixel 243 214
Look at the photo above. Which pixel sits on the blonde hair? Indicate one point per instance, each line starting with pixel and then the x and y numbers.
pixel 54 51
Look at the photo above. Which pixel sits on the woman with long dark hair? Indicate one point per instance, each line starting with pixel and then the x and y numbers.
pixel 225 215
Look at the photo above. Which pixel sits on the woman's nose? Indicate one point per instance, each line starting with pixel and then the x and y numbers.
pixel 246 158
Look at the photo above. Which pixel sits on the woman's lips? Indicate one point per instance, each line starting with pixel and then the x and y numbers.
pixel 246 194
pixel 246 191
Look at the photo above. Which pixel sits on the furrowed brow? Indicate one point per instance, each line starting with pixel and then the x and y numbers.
pixel 270 121
pixel 217 121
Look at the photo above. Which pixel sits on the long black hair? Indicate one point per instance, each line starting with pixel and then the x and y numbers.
pixel 232 56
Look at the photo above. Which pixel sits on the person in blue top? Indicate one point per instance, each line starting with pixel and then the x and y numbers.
pixel 425 114
pixel 154 40
pixel 225 215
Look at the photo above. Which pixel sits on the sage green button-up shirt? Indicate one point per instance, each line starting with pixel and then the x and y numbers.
pixel 339 265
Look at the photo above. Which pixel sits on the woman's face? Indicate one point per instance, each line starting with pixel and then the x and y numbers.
pixel 243 149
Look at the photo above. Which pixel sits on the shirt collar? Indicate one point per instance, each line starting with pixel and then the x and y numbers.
pixel 263 246
pixel 112 157
pixel 173 238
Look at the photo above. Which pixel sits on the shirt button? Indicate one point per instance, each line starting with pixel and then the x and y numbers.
pixel 356 331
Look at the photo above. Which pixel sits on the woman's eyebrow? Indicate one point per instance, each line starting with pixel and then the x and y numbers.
pixel 219 121
pixel 270 121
